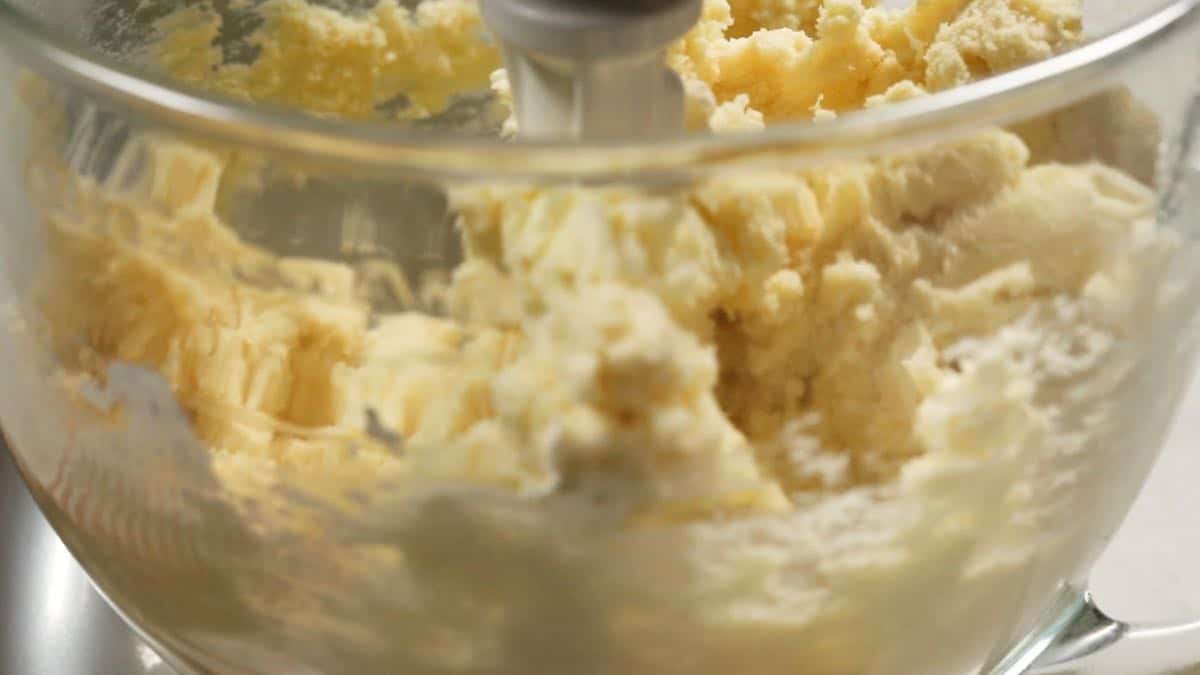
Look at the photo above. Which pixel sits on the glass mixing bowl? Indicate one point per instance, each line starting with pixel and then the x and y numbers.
pixel 865 394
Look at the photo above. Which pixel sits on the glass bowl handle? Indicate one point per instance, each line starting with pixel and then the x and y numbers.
pixel 1092 643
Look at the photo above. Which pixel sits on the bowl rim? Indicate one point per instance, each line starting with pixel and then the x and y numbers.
pixel 1018 93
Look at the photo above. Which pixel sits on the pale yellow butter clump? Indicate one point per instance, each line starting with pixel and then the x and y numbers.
pixel 840 53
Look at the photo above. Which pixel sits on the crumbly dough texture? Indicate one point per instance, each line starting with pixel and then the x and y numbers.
pixel 332 63
pixel 811 369
pixel 730 323
pixel 746 63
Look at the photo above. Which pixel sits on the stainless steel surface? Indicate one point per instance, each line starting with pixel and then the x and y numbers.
pixel 592 69
pixel 54 623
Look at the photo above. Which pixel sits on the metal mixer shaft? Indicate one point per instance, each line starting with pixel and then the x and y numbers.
pixel 592 68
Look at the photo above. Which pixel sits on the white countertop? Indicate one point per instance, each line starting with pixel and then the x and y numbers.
pixel 1152 569
pixel 1151 572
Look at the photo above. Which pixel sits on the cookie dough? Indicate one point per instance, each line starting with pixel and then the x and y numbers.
pixel 802 408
